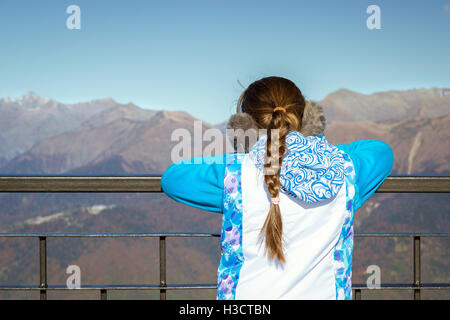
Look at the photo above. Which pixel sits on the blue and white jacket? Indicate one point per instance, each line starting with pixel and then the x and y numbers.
pixel 322 185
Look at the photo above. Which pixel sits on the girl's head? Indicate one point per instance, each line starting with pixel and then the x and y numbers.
pixel 261 98
pixel 277 105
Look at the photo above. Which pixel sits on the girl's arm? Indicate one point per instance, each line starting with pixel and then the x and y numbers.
pixel 373 161
pixel 201 185
pixel 198 185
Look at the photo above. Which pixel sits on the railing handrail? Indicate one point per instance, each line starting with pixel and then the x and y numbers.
pixel 147 183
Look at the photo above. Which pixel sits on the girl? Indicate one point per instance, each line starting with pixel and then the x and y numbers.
pixel 287 204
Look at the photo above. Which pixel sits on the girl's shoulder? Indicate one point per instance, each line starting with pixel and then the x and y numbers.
pixel 372 161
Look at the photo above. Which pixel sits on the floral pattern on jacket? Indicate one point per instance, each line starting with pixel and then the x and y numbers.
pixel 231 237
pixel 343 250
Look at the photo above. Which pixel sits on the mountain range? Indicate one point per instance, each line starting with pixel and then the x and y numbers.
pixel 40 135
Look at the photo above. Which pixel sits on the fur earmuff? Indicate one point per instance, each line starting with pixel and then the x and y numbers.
pixel 242 121
pixel 313 122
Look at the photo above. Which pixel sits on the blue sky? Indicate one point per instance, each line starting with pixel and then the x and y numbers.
pixel 188 55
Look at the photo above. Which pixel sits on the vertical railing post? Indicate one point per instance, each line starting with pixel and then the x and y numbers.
pixel 103 294
pixel 357 294
pixel 162 267
pixel 43 267
pixel 417 268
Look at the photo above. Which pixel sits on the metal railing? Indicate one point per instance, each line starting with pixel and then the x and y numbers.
pixel 152 184
pixel 162 287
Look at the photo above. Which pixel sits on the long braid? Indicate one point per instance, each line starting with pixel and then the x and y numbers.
pixel 273 225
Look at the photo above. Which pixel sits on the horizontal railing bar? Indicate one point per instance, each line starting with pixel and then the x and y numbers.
pixel 189 234
pixel 196 286
pixel 403 234
pixel 127 184
pixel 415 184
pixel 403 286
pixel 142 183
pixel 105 235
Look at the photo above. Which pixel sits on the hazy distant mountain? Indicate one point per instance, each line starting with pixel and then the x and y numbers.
pixel 125 145
pixel 117 112
pixel 120 139
pixel 346 105
pixel 421 145
pixel 29 119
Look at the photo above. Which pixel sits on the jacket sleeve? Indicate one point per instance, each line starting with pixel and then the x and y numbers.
pixel 373 161
pixel 197 182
